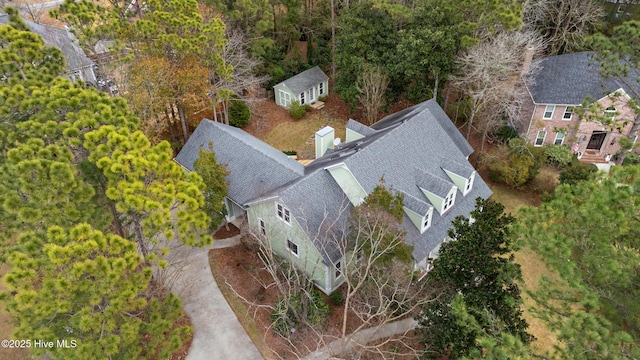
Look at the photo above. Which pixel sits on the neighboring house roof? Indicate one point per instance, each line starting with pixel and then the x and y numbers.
pixel 255 167
pixel 570 78
pixel 305 80
pixel 360 128
pixel 400 148
pixel 61 39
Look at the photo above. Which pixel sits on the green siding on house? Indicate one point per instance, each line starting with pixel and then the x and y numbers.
pixel 348 183
pixel 278 231
pixel 352 135
pixel 435 200
pixel 415 218
pixel 458 180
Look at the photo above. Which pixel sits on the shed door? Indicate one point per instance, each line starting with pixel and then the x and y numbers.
pixel 285 98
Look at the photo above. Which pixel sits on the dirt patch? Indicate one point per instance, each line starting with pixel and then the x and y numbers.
pixel 223 233
pixel 239 268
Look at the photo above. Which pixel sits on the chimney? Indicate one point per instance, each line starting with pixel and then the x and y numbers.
pixel 528 58
pixel 324 140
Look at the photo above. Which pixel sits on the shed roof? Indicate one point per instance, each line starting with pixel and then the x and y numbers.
pixel 305 80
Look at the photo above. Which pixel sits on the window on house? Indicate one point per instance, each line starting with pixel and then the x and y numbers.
pixel 548 112
pixel 559 138
pixel 312 94
pixel 338 269
pixel 540 138
pixel 568 113
pixel 321 88
pixel 285 98
pixel 301 98
pixel 469 184
pixel 448 201
pixel 426 222
pixel 283 213
pixel 263 227
pixel 610 112
pixel 293 247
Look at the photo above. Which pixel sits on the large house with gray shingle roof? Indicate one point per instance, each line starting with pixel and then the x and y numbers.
pixel 418 151
pixel 78 65
pixel 557 86
pixel 305 88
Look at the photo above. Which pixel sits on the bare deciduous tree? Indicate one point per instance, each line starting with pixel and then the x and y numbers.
pixel 372 85
pixel 489 80
pixel 381 292
pixel 562 23
pixel 242 82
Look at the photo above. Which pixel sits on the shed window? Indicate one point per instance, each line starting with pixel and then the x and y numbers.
pixel 338 269
pixel 263 227
pixel 321 88
pixel 301 98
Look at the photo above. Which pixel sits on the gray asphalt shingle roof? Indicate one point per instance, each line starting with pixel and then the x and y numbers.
pixel 402 150
pixel 305 80
pixel 570 78
pixel 360 128
pixel 59 38
pixel 419 138
pixel 418 206
pixel 255 167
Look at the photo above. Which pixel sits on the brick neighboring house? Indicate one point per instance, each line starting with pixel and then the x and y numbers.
pixel 557 85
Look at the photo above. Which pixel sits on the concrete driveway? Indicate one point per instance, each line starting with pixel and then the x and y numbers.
pixel 217 332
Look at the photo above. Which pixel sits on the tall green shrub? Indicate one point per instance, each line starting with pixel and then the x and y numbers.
pixel 239 113
pixel 296 110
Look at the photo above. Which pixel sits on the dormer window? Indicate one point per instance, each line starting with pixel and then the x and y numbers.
pixel 469 185
pixel 426 221
pixel 449 200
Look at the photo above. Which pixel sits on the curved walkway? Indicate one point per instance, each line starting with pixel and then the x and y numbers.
pixel 217 332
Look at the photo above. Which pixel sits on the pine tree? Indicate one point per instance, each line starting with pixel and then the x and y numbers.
pixel 588 234
pixel 90 290
pixel 215 186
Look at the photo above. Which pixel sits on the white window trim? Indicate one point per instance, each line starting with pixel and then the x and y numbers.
pixel 566 111
pixel 544 137
pixel 449 200
pixel 297 252
pixel 561 139
pixel 286 213
pixel 302 98
pixel 610 112
pixel 285 98
pixel 469 185
pixel 426 219
pixel 337 270
pixel 553 109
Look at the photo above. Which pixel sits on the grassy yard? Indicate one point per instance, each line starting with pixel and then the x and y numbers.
pixel 533 268
pixel 292 135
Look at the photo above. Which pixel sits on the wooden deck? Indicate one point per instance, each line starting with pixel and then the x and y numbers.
pixel 317 105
